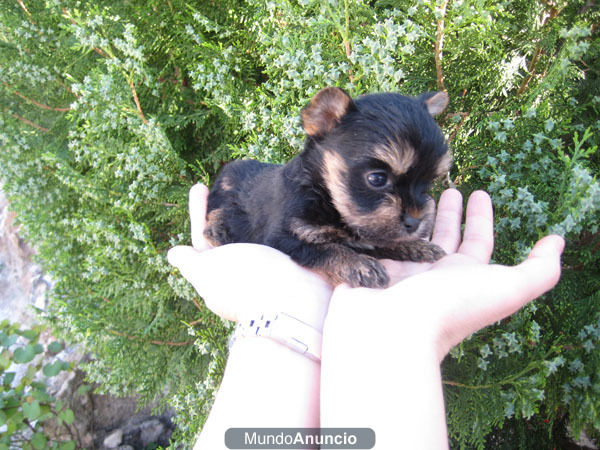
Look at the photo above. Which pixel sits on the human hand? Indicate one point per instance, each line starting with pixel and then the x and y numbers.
pixel 241 280
pixel 448 300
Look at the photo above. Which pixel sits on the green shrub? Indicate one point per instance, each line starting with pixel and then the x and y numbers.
pixel 112 110
pixel 25 404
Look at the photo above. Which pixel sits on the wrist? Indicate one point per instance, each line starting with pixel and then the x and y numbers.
pixel 263 355
pixel 284 329
pixel 382 320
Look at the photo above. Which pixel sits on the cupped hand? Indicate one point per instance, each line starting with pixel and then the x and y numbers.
pixel 444 302
pixel 242 280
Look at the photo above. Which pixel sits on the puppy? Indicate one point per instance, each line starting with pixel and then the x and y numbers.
pixel 357 192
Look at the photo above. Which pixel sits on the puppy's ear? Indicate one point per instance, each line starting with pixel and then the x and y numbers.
pixel 435 102
pixel 325 111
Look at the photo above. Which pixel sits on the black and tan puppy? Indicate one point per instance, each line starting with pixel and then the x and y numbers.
pixel 357 192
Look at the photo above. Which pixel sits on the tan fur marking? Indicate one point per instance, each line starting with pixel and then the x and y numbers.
pixel 346 266
pixel 443 165
pixel 388 213
pixel 399 159
pixel 226 184
pixel 334 172
pixel 214 231
pixel 317 234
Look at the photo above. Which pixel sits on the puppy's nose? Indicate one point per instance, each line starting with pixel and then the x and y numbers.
pixel 411 223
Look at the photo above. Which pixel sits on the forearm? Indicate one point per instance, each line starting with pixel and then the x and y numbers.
pixel 381 374
pixel 267 385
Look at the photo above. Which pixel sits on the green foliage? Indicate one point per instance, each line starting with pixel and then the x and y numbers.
pixel 25 404
pixel 111 110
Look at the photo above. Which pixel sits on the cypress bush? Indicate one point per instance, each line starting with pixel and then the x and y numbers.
pixel 111 110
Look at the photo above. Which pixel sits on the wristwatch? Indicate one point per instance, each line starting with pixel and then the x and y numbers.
pixel 283 328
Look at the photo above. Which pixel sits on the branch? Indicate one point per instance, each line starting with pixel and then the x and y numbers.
pixel 458 126
pixel 439 44
pixel 530 69
pixel 39 105
pixel 22 5
pixel 547 17
pixel 137 101
pixel 197 305
pixel 27 121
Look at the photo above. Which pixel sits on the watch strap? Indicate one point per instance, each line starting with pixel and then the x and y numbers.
pixel 285 329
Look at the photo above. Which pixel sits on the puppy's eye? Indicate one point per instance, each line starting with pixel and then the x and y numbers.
pixel 377 179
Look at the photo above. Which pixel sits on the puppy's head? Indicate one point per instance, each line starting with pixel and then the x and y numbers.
pixel 377 156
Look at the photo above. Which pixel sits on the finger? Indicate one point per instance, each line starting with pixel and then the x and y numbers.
pixel 187 260
pixel 541 270
pixel 478 238
pixel 511 288
pixel 496 292
pixel 446 232
pixel 516 286
pixel 198 198
pixel 193 265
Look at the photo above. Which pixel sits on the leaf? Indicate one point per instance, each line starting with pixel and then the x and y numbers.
pixel 10 340
pixel 69 445
pixel 39 441
pixel 30 334
pixel 8 378
pixel 5 359
pixel 32 410
pixel 23 355
pixel 84 389
pixel 52 369
pixel 41 395
pixel 67 416
pixel 55 347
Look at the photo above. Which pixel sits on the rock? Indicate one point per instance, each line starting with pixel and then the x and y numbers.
pixel 148 432
pixel 151 431
pixel 114 439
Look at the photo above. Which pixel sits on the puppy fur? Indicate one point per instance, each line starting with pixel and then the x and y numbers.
pixel 357 192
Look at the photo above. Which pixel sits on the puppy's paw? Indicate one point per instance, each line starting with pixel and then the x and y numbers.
pixel 416 251
pixel 431 252
pixel 215 231
pixel 363 271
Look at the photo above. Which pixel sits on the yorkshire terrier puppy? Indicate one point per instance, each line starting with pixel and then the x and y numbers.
pixel 357 192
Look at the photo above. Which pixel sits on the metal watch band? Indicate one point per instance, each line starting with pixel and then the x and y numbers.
pixel 285 329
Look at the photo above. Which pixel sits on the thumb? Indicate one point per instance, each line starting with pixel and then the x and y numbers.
pixel 219 296
pixel 541 270
pixel 189 261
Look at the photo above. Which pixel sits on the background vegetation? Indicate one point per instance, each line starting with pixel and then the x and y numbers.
pixel 110 111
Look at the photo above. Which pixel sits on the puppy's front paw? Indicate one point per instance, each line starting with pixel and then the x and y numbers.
pixel 362 271
pixel 215 231
pixel 431 252
pixel 417 251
